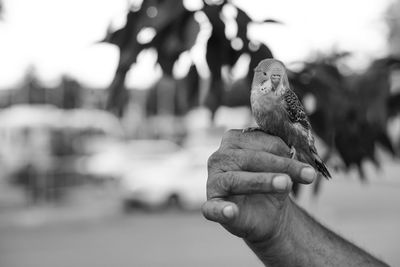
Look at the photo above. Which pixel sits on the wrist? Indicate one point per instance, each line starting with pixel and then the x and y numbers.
pixel 278 242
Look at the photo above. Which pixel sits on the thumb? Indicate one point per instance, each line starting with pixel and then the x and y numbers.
pixel 219 210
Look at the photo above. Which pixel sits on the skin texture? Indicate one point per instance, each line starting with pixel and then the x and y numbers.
pixel 249 180
pixel 278 111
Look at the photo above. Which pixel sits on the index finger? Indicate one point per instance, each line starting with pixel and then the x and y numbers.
pixel 259 161
pixel 242 183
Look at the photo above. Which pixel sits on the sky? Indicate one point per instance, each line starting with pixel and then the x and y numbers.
pixel 60 37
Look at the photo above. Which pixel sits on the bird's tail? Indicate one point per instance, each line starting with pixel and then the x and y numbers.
pixel 321 167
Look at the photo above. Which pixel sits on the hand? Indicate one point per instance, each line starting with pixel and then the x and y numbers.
pixel 249 180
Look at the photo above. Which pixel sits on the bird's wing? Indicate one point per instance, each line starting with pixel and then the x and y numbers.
pixel 297 115
pixel 295 109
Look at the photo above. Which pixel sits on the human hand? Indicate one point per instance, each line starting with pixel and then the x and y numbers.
pixel 249 180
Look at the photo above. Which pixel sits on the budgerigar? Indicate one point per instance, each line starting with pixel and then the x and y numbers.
pixel 278 111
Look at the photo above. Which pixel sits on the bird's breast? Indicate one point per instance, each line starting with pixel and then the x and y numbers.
pixel 271 116
pixel 269 112
pixel 268 101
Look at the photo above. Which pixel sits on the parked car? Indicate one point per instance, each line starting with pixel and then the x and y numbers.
pixel 163 180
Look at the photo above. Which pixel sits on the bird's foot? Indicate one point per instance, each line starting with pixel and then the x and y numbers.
pixel 251 129
pixel 292 152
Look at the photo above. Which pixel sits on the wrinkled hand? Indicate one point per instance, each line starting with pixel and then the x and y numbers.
pixel 249 180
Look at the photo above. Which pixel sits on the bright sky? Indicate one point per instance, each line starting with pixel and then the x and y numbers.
pixel 58 37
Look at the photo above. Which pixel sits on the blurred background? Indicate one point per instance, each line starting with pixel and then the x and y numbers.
pixel 109 110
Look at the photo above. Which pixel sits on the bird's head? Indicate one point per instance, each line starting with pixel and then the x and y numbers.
pixel 270 77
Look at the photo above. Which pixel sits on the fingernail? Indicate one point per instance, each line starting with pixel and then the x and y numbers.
pixel 280 183
pixel 308 174
pixel 228 212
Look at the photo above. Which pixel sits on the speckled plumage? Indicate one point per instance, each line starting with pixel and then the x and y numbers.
pixel 279 112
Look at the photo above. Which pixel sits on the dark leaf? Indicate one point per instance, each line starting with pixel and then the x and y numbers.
pixel 393 104
pixel 242 21
pixel 272 21
pixel 351 112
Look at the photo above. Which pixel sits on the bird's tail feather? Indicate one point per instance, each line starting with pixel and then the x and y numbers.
pixel 321 167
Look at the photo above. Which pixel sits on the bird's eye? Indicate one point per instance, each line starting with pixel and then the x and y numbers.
pixel 265 73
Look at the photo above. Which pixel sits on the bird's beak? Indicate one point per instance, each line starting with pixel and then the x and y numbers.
pixel 275 80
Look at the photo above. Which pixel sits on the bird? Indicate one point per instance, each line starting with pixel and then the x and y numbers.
pixel 278 111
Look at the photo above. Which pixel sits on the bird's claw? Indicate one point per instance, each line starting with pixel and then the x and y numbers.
pixel 251 129
pixel 292 152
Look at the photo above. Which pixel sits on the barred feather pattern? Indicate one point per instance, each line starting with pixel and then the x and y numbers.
pixel 297 114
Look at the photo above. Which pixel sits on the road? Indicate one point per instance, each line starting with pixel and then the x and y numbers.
pixel 163 239
pixel 84 234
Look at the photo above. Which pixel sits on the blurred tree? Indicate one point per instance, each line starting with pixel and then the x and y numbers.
pixel 351 112
pixel 176 31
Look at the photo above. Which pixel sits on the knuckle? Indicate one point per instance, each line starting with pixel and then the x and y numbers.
pixel 211 191
pixel 228 181
pixel 213 186
pixel 218 159
pixel 213 159
pixel 230 138
pixel 241 159
pixel 231 133
pixel 224 160
pixel 220 185
pixel 227 136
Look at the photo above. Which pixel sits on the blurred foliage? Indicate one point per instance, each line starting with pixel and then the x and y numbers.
pixel 351 112
pixel 176 32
